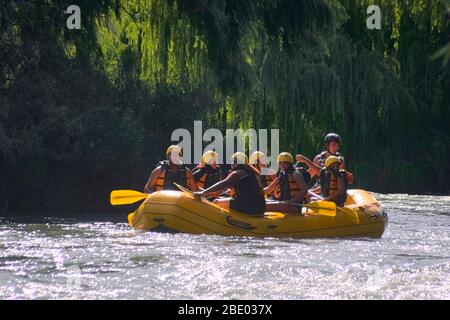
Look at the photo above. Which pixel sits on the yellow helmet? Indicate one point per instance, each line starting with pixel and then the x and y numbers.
pixel 285 156
pixel 331 160
pixel 239 158
pixel 208 156
pixel 174 148
pixel 257 156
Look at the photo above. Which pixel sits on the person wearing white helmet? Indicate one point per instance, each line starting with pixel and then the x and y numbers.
pixel 258 160
pixel 247 193
pixel 207 171
pixel 169 171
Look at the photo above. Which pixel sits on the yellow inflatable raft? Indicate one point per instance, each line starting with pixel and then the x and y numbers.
pixel 176 211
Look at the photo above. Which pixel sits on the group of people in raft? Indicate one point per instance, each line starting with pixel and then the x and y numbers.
pixel 248 191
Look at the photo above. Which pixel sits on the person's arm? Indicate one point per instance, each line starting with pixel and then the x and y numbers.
pixel 197 173
pixel 342 164
pixel 314 168
pixel 191 181
pixel 150 185
pixel 301 158
pixel 303 188
pixel 228 182
pixel 197 176
pixel 271 186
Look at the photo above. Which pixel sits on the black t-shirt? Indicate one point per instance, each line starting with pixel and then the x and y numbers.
pixel 250 197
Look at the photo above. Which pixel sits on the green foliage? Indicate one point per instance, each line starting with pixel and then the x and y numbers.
pixel 83 112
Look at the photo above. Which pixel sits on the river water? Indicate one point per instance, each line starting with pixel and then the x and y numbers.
pixel 99 257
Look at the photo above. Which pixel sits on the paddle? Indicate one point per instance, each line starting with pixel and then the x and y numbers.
pixel 321 207
pixel 188 190
pixel 183 188
pixel 345 210
pixel 121 197
pixel 315 195
pixel 325 208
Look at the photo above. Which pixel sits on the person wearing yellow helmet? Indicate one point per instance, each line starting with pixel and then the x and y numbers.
pixel 289 187
pixel 169 171
pixel 207 171
pixel 333 182
pixel 247 193
pixel 258 161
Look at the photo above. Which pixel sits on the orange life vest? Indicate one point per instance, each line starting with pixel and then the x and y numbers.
pixel 167 177
pixel 266 180
pixel 209 176
pixel 287 187
pixel 329 185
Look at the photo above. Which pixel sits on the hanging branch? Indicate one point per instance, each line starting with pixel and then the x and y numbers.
pixel 132 15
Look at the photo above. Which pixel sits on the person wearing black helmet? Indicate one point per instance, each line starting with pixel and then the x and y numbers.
pixel 332 143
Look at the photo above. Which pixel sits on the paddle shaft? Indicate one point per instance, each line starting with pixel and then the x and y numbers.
pixel 315 195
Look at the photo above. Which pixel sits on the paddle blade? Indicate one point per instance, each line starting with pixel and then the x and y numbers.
pixel 183 188
pixel 326 208
pixel 121 197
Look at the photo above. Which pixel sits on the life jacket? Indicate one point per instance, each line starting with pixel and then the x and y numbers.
pixel 287 187
pixel 323 157
pixel 167 177
pixel 209 176
pixel 266 180
pixel 248 186
pixel 329 185
pixel 349 177
pixel 315 181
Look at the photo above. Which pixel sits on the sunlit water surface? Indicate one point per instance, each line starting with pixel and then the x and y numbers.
pixel 99 257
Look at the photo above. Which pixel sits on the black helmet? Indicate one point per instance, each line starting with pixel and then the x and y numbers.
pixel 332 137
